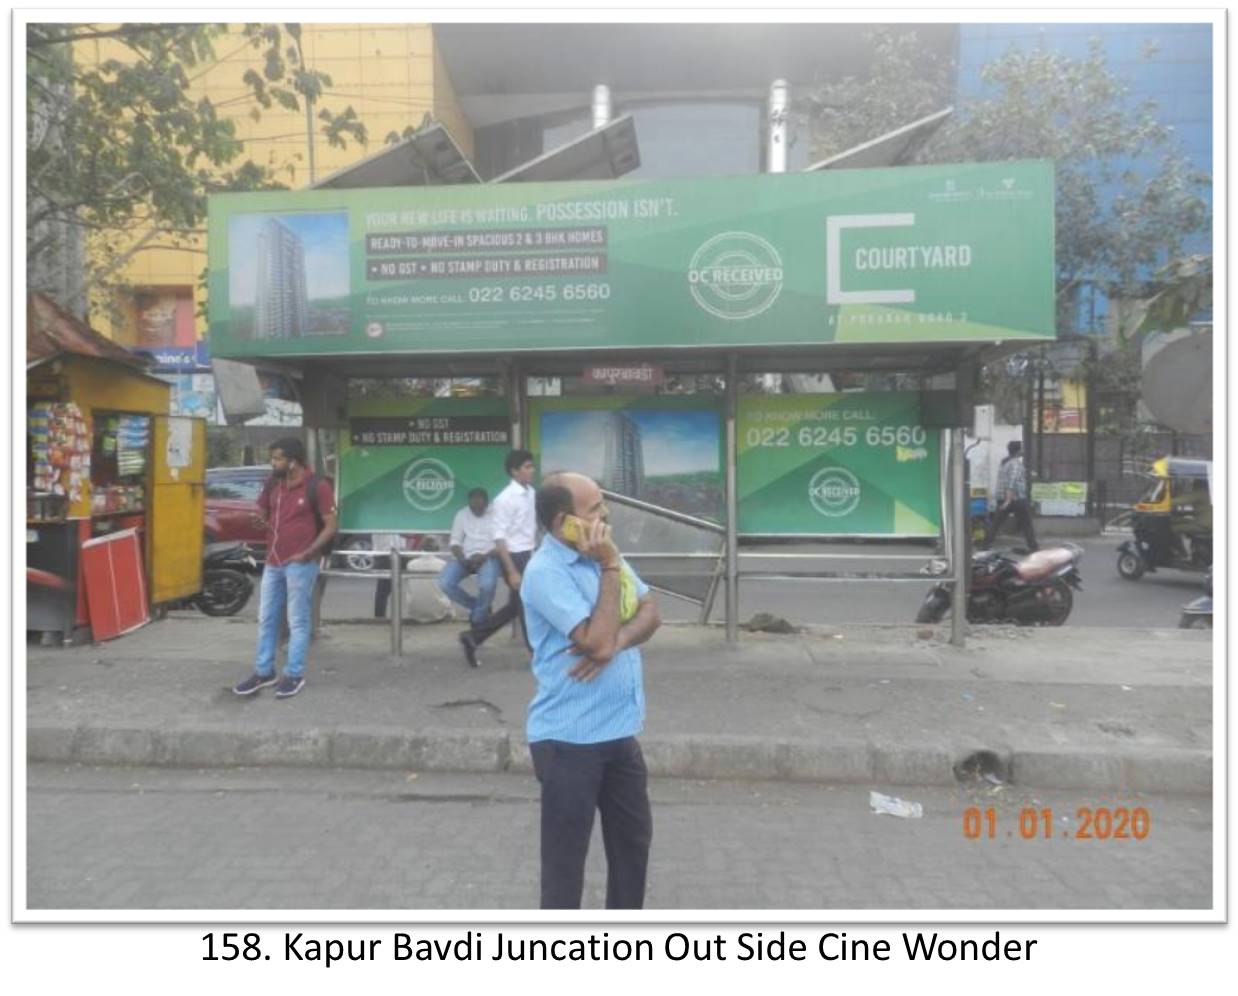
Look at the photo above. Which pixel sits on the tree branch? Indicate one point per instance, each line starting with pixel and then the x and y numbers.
pixel 129 29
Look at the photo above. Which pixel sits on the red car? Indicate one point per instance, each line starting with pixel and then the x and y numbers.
pixel 231 502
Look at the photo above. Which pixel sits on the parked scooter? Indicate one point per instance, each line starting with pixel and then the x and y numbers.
pixel 1197 614
pixel 1036 590
pixel 227 579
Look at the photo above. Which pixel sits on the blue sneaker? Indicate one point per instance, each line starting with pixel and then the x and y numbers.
pixel 289 686
pixel 247 686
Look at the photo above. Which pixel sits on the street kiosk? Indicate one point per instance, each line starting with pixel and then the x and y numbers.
pixel 115 486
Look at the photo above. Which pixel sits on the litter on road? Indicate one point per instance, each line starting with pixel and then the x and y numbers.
pixel 892 806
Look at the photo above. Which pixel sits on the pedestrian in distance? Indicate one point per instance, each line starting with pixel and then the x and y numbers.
pixel 586 613
pixel 515 537
pixel 297 508
pixel 472 553
pixel 1013 496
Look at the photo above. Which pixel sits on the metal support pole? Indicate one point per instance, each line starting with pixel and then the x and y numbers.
pixel 1040 419
pixel 397 605
pixel 601 106
pixel 516 388
pixel 958 540
pixel 776 148
pixel 311 449
pixel 732 503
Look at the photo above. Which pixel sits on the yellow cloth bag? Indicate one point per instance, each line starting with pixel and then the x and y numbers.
pixel 629 602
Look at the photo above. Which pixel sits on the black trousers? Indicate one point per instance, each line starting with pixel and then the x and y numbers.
pixel 497 620
pixel 1022 512
pixel 577 779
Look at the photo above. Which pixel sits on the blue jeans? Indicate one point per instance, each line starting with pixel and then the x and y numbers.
pixel 487 583
pixel 286 590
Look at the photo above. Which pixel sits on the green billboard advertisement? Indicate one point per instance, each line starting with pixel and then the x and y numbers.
pixel 666 451
pixel 837 464
pixel 407 464
pixel 913 254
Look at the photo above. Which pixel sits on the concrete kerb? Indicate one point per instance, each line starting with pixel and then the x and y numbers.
pixel 668 756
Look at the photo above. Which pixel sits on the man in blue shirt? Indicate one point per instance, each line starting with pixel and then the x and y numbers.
pixel 590 699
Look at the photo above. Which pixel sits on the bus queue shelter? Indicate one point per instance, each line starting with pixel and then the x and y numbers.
pixel 926 272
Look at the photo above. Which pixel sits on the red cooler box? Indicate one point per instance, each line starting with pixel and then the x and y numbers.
pixel 115 584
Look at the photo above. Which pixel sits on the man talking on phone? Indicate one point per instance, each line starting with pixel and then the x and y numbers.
pixel 586 613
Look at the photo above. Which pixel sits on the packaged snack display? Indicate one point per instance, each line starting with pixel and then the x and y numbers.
pixel 60 444
pixel 122 442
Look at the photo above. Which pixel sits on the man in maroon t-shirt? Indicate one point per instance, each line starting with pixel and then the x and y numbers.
pixel 297 536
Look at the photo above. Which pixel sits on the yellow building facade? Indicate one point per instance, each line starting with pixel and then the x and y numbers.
pixel 392 76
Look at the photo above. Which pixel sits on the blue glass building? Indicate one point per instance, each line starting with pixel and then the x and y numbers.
pixel 1170 64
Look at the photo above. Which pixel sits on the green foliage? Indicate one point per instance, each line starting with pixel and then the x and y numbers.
pixel 1114 225
pixel 1182 288
pixel 905 82
pixel 122 150
pixel 1040 104
pixel 1078 114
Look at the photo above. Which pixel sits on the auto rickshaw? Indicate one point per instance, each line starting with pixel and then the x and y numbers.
pixel 1173 520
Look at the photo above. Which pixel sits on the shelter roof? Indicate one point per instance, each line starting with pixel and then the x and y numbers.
pixel 429 158
pixel 51 331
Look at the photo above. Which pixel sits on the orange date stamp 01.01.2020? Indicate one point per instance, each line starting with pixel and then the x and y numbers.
pixel 1038 823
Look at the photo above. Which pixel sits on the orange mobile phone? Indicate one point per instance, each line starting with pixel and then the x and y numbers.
pixel 574 530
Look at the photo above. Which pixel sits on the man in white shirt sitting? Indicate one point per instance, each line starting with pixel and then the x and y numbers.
pixel 472 552
pixel 515 537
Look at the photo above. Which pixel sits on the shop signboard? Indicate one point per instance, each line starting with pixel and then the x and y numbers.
pixel 615 375
pixel 957 253
pixel 407 465
pixel 666 451
pixel 1060 497
pixel 837 464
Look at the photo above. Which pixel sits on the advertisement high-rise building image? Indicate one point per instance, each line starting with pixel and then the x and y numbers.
pixel 282 308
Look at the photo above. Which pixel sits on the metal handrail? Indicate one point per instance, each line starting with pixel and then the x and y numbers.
pixel 664 513
pixel 834 556
pixel 832 576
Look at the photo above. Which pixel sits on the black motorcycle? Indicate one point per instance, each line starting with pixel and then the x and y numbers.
pixel 228 570
pixel 1036 590
pixel 1197 614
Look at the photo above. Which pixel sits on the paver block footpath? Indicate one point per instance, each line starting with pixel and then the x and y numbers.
pixel 1088 709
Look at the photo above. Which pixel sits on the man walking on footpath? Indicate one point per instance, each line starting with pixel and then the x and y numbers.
pixel 515 536
pixel 298 510
pixel 586 613
pixel 1012 496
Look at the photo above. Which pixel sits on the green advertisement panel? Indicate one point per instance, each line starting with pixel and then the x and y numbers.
pixel 913 254
pixel 407 464
pixel 837 464
pixel 666 451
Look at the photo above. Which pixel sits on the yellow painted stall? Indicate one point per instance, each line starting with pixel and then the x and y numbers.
pixel 104 457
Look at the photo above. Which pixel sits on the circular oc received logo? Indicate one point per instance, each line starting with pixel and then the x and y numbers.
pixel 735 275
pixel 428 484
pixel 834 492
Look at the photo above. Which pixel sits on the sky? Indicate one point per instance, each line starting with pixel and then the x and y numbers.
pixel 674 442
pixel 324 236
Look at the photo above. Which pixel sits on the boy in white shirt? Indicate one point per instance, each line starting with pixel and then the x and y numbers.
pixel 472 552
pixel 515 537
